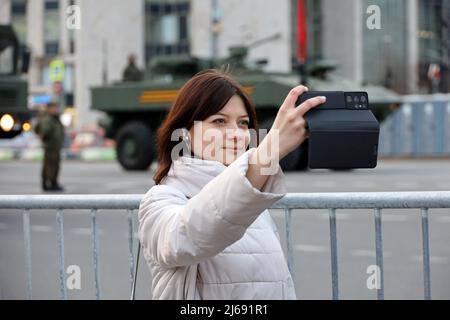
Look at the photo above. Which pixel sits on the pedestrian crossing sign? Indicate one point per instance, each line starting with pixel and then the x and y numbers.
pixel 56 70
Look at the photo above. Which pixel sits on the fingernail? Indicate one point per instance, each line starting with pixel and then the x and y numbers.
pixel 306 88
pixel 323 98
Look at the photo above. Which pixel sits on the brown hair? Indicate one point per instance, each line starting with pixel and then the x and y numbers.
pixel 202 96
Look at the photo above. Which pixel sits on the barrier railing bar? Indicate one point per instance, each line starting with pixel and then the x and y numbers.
pixel 289 241
pixel 95 254
pixel 365 200
pixel 334 254
pixel 379 251
pixel 60 238
pixel 133 287
pixel 341 200
pixel 426 255
pixel 27 244
pixel 130 245
pixel 71 201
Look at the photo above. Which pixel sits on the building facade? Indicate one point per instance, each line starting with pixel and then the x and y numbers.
pixel 413 35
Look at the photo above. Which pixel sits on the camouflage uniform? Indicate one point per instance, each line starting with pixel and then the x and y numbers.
pixel 132 73
pixel 51 132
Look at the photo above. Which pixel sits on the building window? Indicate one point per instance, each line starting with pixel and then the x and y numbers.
pixel 51 27
pixel 18 19
pixel 166 28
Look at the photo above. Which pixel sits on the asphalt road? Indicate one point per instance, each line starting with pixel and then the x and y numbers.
pixel 356 250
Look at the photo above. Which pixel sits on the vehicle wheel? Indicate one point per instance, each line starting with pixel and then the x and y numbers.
pixel 288 163
pixel 134 146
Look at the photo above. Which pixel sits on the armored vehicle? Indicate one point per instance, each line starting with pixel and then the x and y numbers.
pixel 134 110
pixel 14 113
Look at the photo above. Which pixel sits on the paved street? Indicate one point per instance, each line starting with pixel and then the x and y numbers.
pixel 401 233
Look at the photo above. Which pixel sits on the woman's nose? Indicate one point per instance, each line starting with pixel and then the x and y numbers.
pixel 235 134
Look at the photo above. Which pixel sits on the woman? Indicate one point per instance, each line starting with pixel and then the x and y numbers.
pixel 204 227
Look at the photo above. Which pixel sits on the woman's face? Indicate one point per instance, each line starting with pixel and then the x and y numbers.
pixel 223 136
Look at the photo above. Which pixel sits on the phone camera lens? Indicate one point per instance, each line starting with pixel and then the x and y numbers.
pixel 363 99
pixel 356 99
pixel 349 99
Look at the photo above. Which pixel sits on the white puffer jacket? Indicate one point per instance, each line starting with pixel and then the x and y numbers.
pixel 206 233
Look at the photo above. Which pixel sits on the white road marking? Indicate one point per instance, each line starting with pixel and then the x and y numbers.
pixel 339 215
pixel 363 253
pixel 41 228
pixel 85 231
pixel 388 217
pixel 310 248
pixel 433 259
pixel 367 253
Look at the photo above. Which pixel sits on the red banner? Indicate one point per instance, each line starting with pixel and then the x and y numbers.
pixel 302 35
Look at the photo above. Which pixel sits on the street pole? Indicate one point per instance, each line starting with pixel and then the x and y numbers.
pixel 215 21
pixel 302 40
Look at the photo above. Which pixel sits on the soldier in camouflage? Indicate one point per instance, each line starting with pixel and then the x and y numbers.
pixel 132 72
pixel 51 131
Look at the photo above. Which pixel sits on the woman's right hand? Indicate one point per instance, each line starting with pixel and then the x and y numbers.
pixel 288 131
pixel 290 124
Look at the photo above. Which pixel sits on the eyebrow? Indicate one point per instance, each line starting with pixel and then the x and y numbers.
pixel 242 116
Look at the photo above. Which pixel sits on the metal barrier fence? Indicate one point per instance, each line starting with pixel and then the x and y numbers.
pixel 420 127
pixel 331 201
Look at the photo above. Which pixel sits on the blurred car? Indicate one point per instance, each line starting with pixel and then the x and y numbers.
pixel 88 138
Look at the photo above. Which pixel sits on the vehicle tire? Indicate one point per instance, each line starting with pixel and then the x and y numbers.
pixel 134 146
pixel 290 162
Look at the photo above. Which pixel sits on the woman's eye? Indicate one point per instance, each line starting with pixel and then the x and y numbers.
pixel 219 121
pixel 245 122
